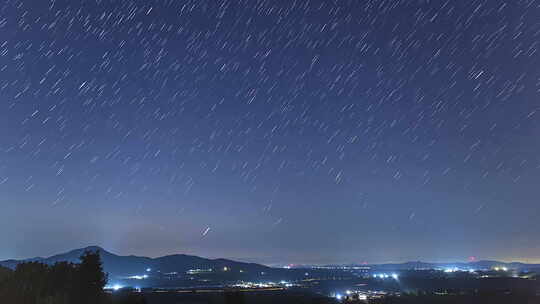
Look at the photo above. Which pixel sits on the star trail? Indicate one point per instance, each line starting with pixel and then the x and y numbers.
pixel 271 131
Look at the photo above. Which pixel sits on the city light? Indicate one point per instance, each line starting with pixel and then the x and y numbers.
pixel 394 276
pixel 361 295
pixel 264 285
pixel 114 287
pixel 138 277
pixel 199 271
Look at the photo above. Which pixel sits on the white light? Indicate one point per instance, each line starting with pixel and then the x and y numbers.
pixel 338 296
pixel 117 287
pixel 139 277
pixel 348 292
pixel 395 276
pixel 448 270
pixel 148 269
pixel 504 269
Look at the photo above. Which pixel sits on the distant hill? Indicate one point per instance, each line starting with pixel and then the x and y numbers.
pixel 471 265
pixel 117 265
pixel 487 264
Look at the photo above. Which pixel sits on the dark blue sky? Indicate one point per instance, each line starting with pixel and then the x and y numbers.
pixel 271 131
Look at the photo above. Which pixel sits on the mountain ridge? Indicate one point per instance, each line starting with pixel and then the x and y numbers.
pixel 481 264
pixel 118 265
pixel 124 265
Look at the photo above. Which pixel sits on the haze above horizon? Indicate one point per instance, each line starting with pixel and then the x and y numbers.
pixel 278 131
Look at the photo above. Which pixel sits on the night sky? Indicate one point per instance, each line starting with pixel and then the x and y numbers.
pixel 271 131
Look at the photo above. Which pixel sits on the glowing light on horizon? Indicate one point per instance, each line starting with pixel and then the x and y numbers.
pixel 114 287
pixel 138 277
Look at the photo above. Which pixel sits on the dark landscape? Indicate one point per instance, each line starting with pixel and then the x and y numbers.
pixel 190 279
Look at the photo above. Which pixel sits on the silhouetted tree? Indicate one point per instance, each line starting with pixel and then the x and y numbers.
pixel 90 279
pixel 62 283
pixel 61 276
pixel 28 283
pixel 5 273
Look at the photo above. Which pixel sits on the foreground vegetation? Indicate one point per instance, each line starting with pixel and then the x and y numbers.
pixel 61 283
pixel 84 282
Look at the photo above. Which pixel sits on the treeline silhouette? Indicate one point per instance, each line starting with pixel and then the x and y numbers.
pixel 61 283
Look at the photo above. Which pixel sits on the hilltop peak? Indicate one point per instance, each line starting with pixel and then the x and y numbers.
pixel 92 248
pixel 76 253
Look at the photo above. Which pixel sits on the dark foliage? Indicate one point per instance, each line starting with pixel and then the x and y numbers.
pixel 89 280
pixel 4 273
pixel 61 283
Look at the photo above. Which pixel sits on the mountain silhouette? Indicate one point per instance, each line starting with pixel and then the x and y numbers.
pixel 117 265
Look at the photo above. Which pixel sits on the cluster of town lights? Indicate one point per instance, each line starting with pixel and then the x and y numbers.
pixel 394 276
pixel 138 277
pixel 264 285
